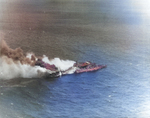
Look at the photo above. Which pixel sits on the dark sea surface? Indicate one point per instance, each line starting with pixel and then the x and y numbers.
pixel 111 32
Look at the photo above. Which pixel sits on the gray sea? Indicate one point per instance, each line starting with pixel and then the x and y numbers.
pixel 111 32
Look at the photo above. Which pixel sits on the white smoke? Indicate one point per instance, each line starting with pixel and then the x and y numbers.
pixel 14 64
pixel 62 65
pixel 10 70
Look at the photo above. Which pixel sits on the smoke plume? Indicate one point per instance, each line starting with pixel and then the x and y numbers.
pixel 14 63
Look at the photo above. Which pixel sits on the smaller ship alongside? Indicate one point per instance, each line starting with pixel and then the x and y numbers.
pixel 87 67
pixel 78 67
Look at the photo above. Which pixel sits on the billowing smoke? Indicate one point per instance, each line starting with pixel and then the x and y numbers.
pixel 15 54
pixel 60 64
pixel 10 69
pixel 15 64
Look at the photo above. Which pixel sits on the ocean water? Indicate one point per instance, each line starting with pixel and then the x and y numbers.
pixel 111 32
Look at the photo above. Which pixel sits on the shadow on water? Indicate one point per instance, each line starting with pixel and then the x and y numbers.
pixel 24 82
pixel 20 82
